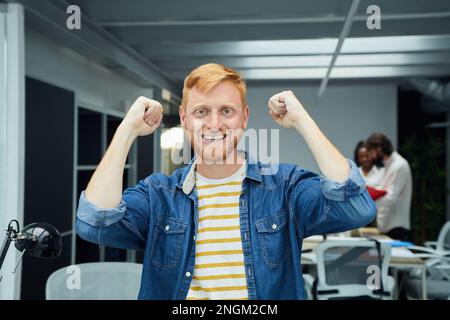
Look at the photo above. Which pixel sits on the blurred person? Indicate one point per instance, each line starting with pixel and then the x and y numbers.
pixel 224 226
pixel 370 171
pixel 393 209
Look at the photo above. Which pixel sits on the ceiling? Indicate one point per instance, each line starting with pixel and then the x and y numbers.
pixel 158 42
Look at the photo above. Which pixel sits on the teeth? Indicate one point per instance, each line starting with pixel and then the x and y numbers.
pixel 213 138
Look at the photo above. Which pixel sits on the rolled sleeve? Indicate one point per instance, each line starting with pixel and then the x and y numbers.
pixel 325 206
pixel 342 191
pixel 124 226
pixel 97 217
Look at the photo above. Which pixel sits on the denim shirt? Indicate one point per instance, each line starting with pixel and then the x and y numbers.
pixel 159 216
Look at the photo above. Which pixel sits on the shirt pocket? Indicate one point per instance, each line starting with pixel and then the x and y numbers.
pixel 273 236
pixel 168 241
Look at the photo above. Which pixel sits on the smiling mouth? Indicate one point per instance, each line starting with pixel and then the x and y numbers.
pixel 213 139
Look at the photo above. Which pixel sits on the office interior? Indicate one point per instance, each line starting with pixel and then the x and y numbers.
pixel 64 91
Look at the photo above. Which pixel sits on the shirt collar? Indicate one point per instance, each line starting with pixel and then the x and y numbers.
pixel 187 181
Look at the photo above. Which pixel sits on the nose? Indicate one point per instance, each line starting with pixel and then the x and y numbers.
pixel 215 120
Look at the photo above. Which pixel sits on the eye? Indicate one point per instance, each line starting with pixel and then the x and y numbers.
pixel 200 112
pixel 228 111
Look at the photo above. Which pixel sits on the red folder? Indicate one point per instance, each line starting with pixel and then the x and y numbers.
pixel 376 193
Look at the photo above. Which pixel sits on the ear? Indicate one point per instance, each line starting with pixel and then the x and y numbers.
pixel 246 113
pixel 182 114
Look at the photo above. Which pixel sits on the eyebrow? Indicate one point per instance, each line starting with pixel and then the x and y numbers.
pixel 229 105
pixel 202 105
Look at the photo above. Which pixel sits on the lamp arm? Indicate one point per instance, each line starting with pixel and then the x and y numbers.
pixel 11 233
pixel 5 247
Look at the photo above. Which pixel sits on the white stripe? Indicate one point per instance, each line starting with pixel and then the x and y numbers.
pixel 218 259
pixel 219 283
pixel 219 247
pixel 218 211
pixel 211 223
pixel 208 191
pixel 219 200
pixel 218 234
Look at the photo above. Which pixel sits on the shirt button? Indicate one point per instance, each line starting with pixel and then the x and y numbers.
pixel 188 274
pixel 167 228
pixel 274 226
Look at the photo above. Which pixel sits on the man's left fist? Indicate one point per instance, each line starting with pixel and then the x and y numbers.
pixel 285 109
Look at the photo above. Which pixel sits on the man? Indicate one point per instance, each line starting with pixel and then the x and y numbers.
pixel 393 216
pixel 224 226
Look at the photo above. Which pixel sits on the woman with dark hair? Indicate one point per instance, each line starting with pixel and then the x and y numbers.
pixel 371 172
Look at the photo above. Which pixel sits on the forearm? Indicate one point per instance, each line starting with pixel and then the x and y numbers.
pixel 105 187
pixel 331 162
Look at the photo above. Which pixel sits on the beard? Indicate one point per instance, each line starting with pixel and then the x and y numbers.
pixel 218 152
pixel 378 160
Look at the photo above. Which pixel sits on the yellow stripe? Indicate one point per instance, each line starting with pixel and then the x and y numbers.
pixel 219 205
pixel 197 298
pixel 220 276
pixel 219 288
pixel 219 194
pixel 223 216
pixel 216 253
pixel 207 186
pixel 218 265
pixel 223 240
pixel 218 229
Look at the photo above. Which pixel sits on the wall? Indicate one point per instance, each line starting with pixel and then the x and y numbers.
pixel 93 84
pixel 348 112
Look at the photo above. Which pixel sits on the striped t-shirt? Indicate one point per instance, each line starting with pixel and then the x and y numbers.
pixel 219 271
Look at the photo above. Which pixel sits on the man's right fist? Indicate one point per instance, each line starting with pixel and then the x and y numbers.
pixel 144 116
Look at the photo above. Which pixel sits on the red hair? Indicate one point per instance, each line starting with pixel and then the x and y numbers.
pixel 207 76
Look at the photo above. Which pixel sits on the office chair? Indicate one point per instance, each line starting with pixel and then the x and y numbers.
pixel 97 281
pixel 345 270
pixel 437 261
pixel 435 249
pixel 437 282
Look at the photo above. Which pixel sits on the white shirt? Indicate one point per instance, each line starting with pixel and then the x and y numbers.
pixel 394 207
pixel 373 178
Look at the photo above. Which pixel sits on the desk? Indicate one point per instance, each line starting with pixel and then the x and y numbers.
pixel 401 258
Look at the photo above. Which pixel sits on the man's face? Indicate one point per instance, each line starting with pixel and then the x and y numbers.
pixel 376 154
pixel 214 122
